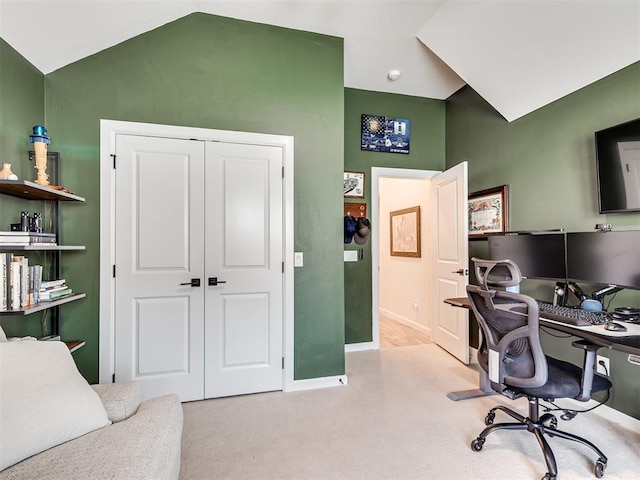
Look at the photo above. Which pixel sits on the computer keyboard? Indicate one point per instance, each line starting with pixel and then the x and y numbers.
pixel 571 316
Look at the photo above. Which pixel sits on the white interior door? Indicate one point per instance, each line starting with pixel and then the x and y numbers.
pixel 451 260
pixel 159 245
pixel 244 249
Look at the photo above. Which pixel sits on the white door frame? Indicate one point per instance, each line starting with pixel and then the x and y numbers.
pixel 376 174
pixel 108 131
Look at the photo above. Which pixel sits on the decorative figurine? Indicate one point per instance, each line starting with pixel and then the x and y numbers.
pixel 40 141
pixel 6 173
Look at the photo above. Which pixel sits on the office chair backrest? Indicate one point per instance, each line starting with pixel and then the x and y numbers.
pixel 510 350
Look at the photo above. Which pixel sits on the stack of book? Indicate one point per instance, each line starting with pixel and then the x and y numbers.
pixel 53 290
pixel 18 239
pixel 20 282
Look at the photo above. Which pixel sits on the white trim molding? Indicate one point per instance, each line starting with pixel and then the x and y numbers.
pixel 109 129
pixel 359 347
pixel 376 174
pixel 315 383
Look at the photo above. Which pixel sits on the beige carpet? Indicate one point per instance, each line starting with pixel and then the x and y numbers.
pixel 392 421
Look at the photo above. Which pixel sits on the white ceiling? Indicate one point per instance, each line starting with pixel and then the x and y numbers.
pixel 518 54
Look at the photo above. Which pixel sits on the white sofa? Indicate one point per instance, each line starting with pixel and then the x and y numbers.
pixel 56 426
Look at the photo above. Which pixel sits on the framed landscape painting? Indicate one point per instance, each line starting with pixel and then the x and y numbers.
pixel 405 232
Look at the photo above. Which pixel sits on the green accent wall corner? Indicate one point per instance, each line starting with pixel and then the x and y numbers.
pixel 427 149
pixel 219 73
pixel 548 160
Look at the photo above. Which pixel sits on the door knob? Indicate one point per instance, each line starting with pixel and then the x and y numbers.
pixel 213 281
pixel 195 282
pixel 461 271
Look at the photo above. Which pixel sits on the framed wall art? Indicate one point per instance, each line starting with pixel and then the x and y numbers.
pixel 488 211
pixel 385 134
pixel 354 184
pixel 405 232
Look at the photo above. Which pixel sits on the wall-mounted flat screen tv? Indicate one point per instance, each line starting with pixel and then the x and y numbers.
pixel 618 166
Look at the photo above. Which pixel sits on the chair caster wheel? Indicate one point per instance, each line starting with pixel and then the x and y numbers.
pixel 477 444
pixel 600 468
pixel 489 418
pixel 549 421
pixel 548 476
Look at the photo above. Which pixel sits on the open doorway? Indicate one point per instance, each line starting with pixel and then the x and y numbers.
pixel 400 311
pixel 446 249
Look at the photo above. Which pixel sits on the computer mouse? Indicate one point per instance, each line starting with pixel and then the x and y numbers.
pixel 615 327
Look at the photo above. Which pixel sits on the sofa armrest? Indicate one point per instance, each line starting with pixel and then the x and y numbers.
pixel 121 400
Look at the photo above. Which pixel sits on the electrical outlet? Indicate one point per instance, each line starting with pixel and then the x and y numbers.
pixel 602 369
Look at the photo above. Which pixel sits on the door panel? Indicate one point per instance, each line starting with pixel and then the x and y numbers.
pixel 159 240
pixel 246 330
pixel 244 248
pixel 162 209
pixel 161 335
pixel 246 212
pixel 451 263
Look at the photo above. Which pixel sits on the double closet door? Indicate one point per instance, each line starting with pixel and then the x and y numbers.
pixel 198 274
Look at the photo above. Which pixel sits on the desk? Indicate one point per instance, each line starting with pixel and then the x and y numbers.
pixel 627 342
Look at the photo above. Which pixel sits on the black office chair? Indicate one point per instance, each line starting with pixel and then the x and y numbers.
pixel 511 354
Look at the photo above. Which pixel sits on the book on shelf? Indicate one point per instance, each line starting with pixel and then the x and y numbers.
pixel 19 282
pixel 4 284
pixel 49 296
pixel 21 232
pixel 10 239
pixel 24 279
pixel 57 288
pixel 44 284
pixel 13 277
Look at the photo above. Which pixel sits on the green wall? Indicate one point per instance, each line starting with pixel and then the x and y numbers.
pixel 21 107
pixel 214 72
pixel 548 160
pixel 427 149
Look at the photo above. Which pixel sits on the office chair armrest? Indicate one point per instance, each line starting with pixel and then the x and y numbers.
pixel 588 368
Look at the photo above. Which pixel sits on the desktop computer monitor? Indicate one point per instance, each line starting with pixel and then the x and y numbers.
pixel 604 258
pixel 538 255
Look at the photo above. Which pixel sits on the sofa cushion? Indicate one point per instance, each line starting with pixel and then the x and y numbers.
pixel 146 446
pixel 45 401
pixel 120 400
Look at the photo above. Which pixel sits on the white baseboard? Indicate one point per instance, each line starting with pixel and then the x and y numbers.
pixel 405 321
pixel 314 383
pixel 606 412
pixel 359 347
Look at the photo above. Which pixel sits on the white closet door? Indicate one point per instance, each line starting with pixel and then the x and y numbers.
pixel 244 248
pixel 159 243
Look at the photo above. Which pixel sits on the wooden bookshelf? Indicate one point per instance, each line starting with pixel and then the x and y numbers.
pixel 41 247
pixel 74 345
pixel 44 305
pixel 33 191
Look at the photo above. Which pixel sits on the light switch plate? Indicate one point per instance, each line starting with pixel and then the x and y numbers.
pixel 350 255
pixel 298 259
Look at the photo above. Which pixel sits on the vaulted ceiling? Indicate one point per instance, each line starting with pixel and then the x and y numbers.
pixel 518 54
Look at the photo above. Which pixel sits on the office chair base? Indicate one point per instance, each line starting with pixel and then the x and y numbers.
pixel 539 426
